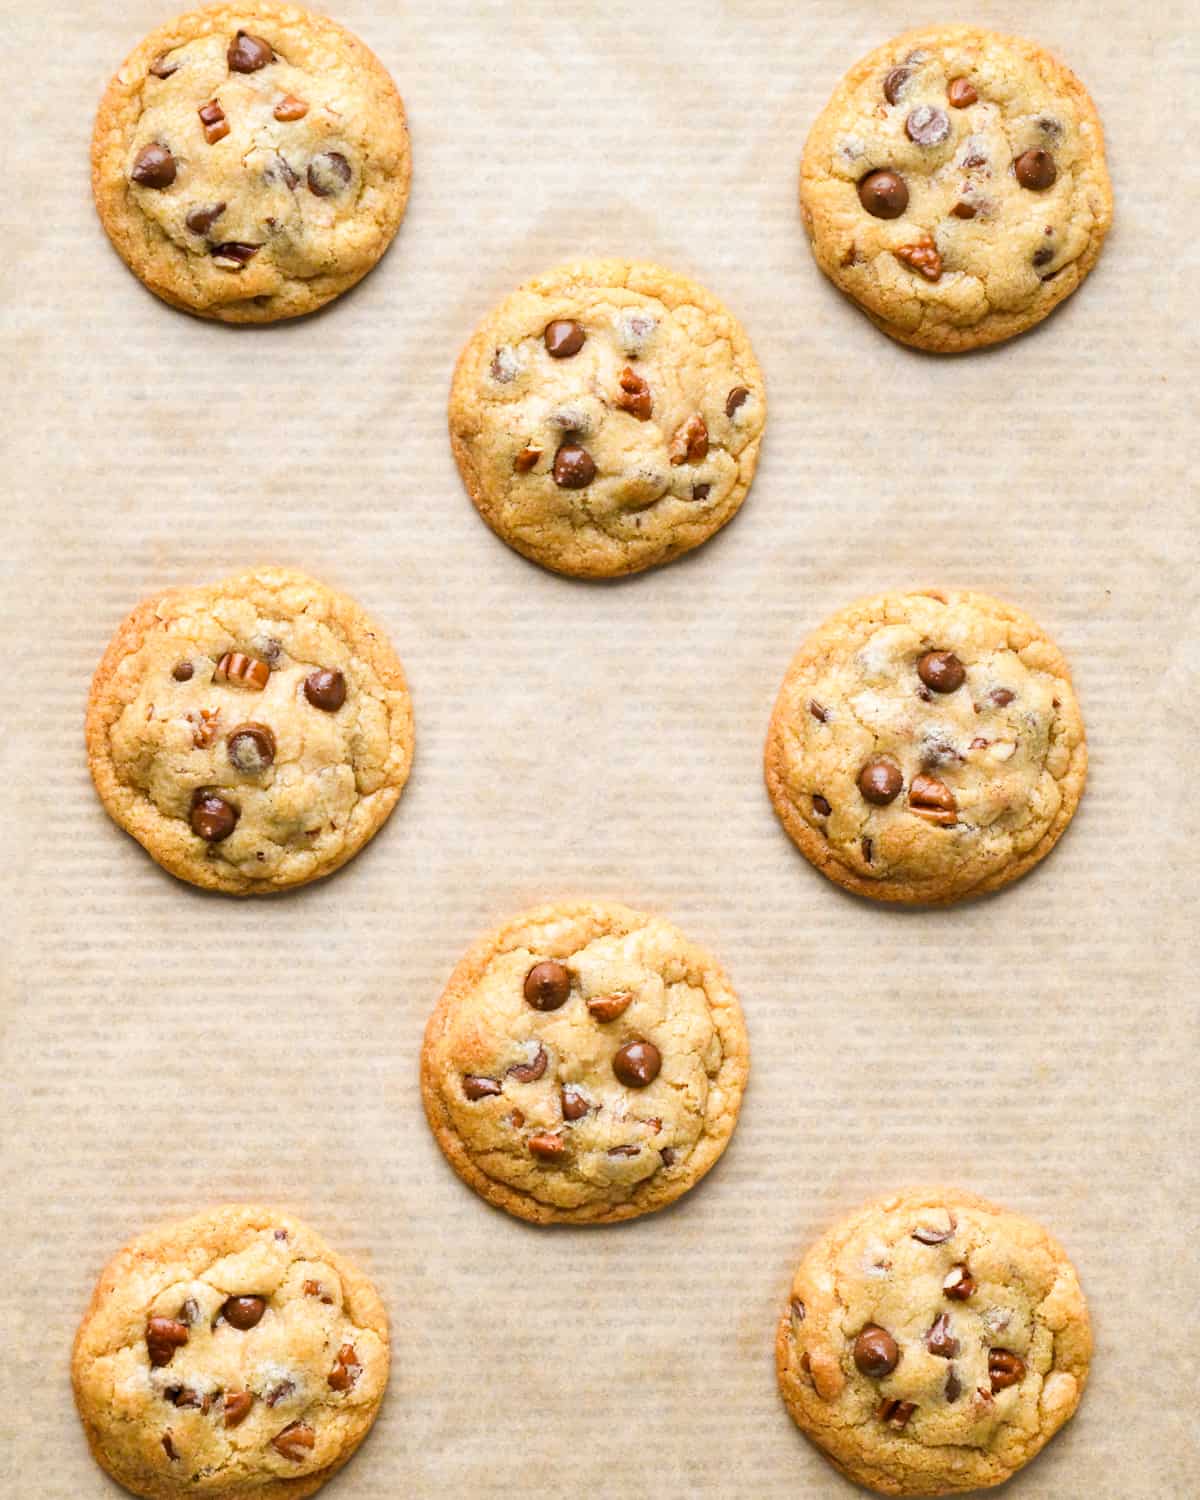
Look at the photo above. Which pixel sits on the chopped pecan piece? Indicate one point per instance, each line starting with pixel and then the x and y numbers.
pixel 212 117
pixel 635 394
pixel 922 257
pixel 690 443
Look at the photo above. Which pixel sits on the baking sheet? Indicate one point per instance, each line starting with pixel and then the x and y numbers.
pixel 165 1050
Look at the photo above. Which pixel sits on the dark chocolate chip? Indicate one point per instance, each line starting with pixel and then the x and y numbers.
pixel 737 397
pixel 963 210
pixel 883 194
pixel 818 711
pixel 939 1340
pixel 1001 697
pixel 1043 256
pixel 547 985
pixel 953 1386
pixel 325 690
pixel 637 1064
pixel 821 805
pixel 212 818
pixel 958 1284
pixel 701 491
pixel 235 250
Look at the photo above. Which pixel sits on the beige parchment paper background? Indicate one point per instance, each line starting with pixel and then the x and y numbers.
pixel 165 1050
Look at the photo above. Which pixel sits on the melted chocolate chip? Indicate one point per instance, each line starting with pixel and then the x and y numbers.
pixel 574 1105
pixel 875 1352
pixel 563 337
pixel 637 1064
pixel 212 818
pixel 163 67
pixel 1035 170
pixel 163 1337
pixel 880 781
pixel 821 805
pixel 893 83
pixel 251 748
pixel 475 1087
pixel 328 173
pixel 883 194
pixel 942 671
pixel 248 53
pixel 153 167
pixel 530 1072
pixel 736 398
pixel 547 985
pixel 574 467
pixel 325 690
pixel 939 1340
pixel 701 491
pixel 244 1312
pixel 958 1284
pixel 927 126
pixel 201 220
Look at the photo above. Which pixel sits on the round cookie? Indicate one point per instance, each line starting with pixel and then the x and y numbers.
pixel 231 1354
pixel 926 746
pixel 955 186
pixel 585 1064
pixel 607 417
pixel 250 161
pixel 253 734
pixel 933 1343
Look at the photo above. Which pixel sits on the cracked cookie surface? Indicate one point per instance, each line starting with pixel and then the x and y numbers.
pixel 252 734
pixel 606 417
pixel 955 186
pixel 231 1354
pixel 585 1064
pixel 251 161
pixel 933 1343
pixel 926 746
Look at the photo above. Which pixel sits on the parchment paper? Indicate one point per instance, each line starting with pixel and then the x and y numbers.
pixel 166 1050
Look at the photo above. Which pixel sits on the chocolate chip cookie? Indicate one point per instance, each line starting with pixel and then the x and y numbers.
pixel 926 746
pixel 250 161
pixel 933 1343
pixel 585 1064
pixel 955 186
pixel 231 1354
pixel 607 417
pixel 251 735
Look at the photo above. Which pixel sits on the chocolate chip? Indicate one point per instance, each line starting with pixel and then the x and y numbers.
pixel 939 1340
pixel 212 117
pixel 924 257
pixel 328 173
pixel 244 1312
pixel 169 1446
pixel 701 491
pixel 963 210
pixel 927 126
pixel 294 1441
pixel 880 781
pixel 895 1413
pixel 942 671
pixel 163 1337
pixel 637 1064
pixel 735 399
pixel 821 806
pixel 1049 127
pixel 237 1407
pixel 690 442
pixel 1001 697
pixel 958 1284
pixel 1004 1368
pixel 930 1234
pixel 153 167
pixel 279 1393
pixel 280 170
pixel 573 467
pixel 504 366
pixel 475 1087
pixel 201 220
pixel 248 53
pixel 546 1146
pixel 162 67
pixel 893 83
pixel 233 255
pixel 818 711
pixel 563 337
pixel 866 846
pixel 346 1369
pixel 251 748
pixel 574 1105
pixel 630 1150
pixel 182 671
pixel 547 985
pixel 932 800
pixel 634 395
pixel 883 194
pixel 799 1311
pixel 609 1007
pixel 325 690
pixel 668 1156
pixel 189 1313
pixel 212 818
pixel 960 93
pixel 530 1072
pixel 1044 256
pixel 181 1396
pixel 953 1386
pixel 1035 169
pixel 875 1352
